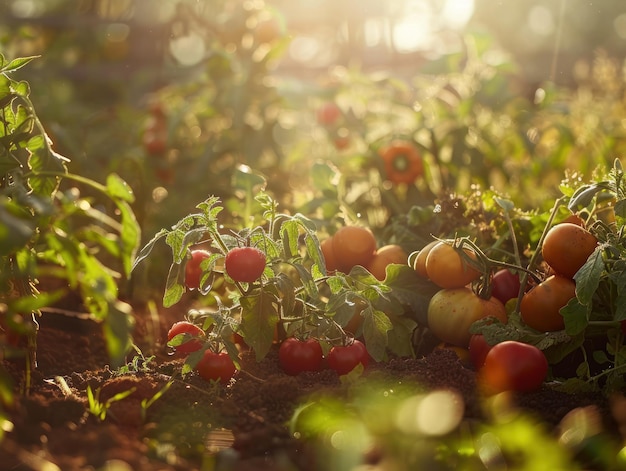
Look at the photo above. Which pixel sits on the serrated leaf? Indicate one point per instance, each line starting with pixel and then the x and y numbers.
pixel 290 233
pixel 576 316
pixel 174 289
pixel 588 276
pixel 399 338
pixel 411 290
pixel 376 325
pixel 258 321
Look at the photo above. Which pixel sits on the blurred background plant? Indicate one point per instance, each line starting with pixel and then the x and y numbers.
pixel 175 97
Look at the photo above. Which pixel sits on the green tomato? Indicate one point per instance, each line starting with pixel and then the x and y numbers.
pixel 452 311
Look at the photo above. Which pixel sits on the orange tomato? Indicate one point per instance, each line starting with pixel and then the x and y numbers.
pixel 329 254
pixel 566 248
pixel 353 245
pixel 419 265
pixel 446 267
pixel 539 307
pixel 402 162
pixel 384 256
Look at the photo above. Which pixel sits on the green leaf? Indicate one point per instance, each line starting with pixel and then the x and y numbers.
pixel 117 329
pixel 376 325
pixel 399 337
pixel 258 321
pixel 576 316
pixel 15 64
pixel 588 277
pixel 411 290
pixel 147 249
pixel 290 232
pixel 130 236
pixel 118 188
pixel 174 289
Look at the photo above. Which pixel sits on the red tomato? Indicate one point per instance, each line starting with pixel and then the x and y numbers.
pixel 446 267
pixel 216 367
pixel 328 114
pixel 505 285
pixel 478 349
pixel 245 264
pixel 540 306
pixel 343 359
pixel 513 366
pixel 567 247
pixel 193 272
pixel 296 356
pixel 195 333
pixel 451 312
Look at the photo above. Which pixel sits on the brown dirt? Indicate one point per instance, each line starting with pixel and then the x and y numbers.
pixel 196 425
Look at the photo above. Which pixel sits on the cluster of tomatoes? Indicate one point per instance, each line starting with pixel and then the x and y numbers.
pixel 508 365
pixel 355 245
pixel 246 265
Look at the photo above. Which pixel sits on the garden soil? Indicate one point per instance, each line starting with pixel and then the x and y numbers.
pixel 195 424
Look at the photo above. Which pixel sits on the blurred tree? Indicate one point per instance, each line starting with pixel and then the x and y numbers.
pixel 548 38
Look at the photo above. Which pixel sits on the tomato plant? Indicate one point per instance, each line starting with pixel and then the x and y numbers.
pixel 344 358
pixel 452 311
pixel 328 252
pixel 296 356
pixel 447 268
pixel 566 247
pixel 540 306
pixel 245 264
pixel 402 162
pixel 505 285
pixel 513 366
pixel 193 271
pixel 216 367
pixel 185 337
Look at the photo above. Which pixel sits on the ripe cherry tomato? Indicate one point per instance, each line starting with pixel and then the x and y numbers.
pixel 513 366
pixel 344 358
pixel 505 285
pixel 567 247
pixel 245 264
pixel 419 264
pixel 384 256
pixel 193 272
pixel 451 312
pixel 296 356
pixel 446 267
pixel 478 349
pixel 540 306
pixel 353 245
pixel 329 254
pixel 185 327
pixel 216 367
pixel 402 162
pixel 328 114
